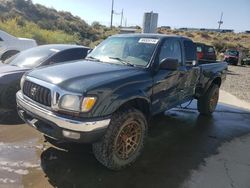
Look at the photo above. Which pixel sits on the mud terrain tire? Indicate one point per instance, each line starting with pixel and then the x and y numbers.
pixel 124 139
pixel 206 104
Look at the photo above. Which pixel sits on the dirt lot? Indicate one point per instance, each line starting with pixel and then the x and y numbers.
pixel 238 82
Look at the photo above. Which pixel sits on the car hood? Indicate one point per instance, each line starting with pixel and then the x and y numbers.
pixel 10 74
pixel 231 56
pixel 6 69
pixel 82 76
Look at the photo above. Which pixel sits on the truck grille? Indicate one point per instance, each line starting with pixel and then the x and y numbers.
pixel 37 93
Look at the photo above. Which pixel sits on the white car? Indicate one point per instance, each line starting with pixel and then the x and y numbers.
pixel 10 45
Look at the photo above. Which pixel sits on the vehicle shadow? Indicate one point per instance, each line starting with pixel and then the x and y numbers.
pixel 178 142
pixel 232 73
pixel 10 118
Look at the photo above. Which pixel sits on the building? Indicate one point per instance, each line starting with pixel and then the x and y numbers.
pixel 150 22
pixel 207 30
pixel 125 30
pixel 165 27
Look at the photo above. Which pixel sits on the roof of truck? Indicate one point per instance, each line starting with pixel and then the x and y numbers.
pixel 151 35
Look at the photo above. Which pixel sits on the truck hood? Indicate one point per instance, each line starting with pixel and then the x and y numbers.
pixel 82 76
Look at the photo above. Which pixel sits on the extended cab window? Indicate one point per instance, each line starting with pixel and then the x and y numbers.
pixel 171 49
pixel 190 51
pixel 1 39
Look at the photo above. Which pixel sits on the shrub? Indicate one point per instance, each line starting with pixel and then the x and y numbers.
pixel 189 34
pixel 205 35
pixel 32 30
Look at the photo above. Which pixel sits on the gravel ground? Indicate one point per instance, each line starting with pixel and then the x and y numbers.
pixel 238 82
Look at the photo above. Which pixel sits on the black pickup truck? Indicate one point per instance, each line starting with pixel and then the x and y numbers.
pixel 108 98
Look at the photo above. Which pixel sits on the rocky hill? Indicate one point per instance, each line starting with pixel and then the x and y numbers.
pixel 25 12
pixel 22 18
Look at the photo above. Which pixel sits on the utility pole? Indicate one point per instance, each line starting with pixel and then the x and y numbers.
pixel 126 22
pixel 112 13
pixel 220 22
pixel 121 18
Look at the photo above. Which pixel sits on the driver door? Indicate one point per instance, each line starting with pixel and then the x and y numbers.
pixel 165 89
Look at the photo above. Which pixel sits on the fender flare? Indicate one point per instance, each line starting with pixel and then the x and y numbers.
pixel 125 99
pixel 211 81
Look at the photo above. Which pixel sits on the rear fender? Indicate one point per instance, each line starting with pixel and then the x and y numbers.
pixel 216 79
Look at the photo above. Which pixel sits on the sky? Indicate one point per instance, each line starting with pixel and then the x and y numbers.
pixel 174 13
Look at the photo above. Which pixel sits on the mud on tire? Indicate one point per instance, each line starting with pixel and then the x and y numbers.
pixel 124 139
pixel 206 104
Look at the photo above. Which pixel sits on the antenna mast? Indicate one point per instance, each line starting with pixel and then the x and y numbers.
pixel 220 22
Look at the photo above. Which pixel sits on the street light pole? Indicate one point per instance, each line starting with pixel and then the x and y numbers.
pixel 112 13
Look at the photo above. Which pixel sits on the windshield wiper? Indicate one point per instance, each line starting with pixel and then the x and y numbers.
pixel 122 61
pixel 91 58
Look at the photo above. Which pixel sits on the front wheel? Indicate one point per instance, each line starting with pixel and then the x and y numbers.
pixel 123 141
pixel 206 104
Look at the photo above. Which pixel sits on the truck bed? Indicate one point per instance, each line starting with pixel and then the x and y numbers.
pixel 210 71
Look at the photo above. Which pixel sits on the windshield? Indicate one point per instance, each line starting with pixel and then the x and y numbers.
pixel 31 58
pixel 135 51
pixel 232 53
pixel 210 49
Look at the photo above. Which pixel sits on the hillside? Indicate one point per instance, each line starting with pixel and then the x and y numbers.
pixel 22 18
pixel 221 41
pixel 21 14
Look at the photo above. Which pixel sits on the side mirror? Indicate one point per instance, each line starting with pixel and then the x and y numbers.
pixel 169 64
pixel 192 63
pixel 90 50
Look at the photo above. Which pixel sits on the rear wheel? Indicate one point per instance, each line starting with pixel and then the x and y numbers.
pixel 123 141
pixel 206 104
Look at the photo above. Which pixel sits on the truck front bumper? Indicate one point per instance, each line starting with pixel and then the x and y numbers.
pixel 57 126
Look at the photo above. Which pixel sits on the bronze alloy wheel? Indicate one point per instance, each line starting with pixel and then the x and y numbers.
pixel 214 100
pixel 128 140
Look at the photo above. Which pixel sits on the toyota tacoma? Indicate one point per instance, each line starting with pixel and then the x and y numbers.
pixel 108 99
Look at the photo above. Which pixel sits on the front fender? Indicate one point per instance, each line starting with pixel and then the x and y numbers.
pixel 114 101
pixel 123 99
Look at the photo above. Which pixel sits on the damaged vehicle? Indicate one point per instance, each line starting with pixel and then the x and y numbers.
pixel 10 45
pixel 108 99
pixel 232 57
pixel 12 71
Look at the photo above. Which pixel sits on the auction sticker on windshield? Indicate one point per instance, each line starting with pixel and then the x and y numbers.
pixel 148 41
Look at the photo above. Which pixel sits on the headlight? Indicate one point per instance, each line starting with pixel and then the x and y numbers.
pixel 75 103
pixel 22 81
pixel 71 102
